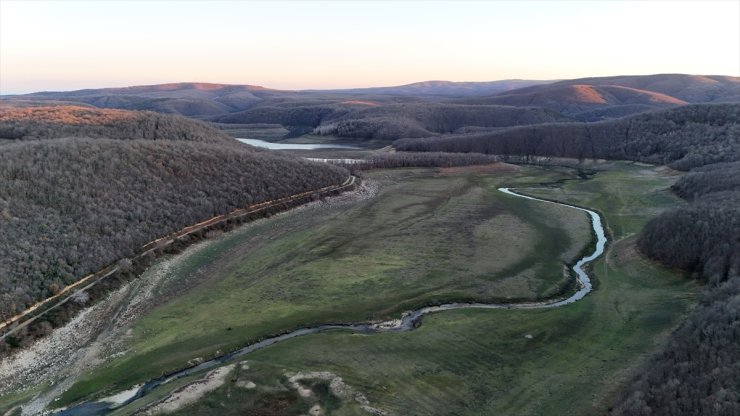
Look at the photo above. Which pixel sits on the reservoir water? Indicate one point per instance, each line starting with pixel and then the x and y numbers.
pixel 295 146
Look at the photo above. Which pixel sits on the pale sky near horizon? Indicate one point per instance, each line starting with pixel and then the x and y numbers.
pixel 66 45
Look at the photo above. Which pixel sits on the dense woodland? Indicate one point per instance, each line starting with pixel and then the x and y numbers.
pixel 683 138
pixel 708 179
pixel 71 206
pixel 33 123
pixel 373 120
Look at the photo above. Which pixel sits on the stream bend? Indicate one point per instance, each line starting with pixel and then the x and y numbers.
pixel 407 322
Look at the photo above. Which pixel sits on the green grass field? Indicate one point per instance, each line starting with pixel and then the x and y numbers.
pixel 485 362
pixel 426 237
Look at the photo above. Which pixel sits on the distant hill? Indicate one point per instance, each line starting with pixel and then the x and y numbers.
pixel 442 88
pixel 689 88
pixel 195 99
pixel 591 99
pixel 189 99
pixel 586 99
pixel 173 90
pixel 577 99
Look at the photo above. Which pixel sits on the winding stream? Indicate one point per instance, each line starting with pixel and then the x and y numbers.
pixel 407 322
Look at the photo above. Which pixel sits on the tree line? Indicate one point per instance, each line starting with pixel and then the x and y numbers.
pixel 421 159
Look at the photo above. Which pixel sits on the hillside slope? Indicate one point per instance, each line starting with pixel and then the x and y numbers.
pixel 587 99
pixel 187 98
pixel 689 88
pixel 443 88
pixel 70 206
pixel 390 121
pixel 683 137
pixel 32 123
pixel 591 99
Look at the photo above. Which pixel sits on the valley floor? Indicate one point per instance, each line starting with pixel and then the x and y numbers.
pixel 409 238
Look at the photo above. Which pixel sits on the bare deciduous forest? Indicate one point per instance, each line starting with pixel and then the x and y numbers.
pixel 71 206
pixel 72 121
pixel 683 138
pixel 390 121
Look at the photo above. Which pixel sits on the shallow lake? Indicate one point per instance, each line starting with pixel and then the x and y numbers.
pixel 295 146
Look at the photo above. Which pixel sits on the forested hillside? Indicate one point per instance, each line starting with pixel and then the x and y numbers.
pixel 390 121
pixel 31 123
pixel 683 138
pixel 73 205
pixel 185 98
pixel 696 373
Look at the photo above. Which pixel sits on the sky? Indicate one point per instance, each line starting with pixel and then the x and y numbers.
pixel 66 45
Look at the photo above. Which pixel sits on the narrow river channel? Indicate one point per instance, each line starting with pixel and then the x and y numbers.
pixel 407 322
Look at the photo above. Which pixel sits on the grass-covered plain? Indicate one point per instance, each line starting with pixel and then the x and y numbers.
pixel 426 237
pixel 569 360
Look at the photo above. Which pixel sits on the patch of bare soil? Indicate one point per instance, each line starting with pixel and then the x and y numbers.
pixel 190 393
pixel 337 386
pixel 90 339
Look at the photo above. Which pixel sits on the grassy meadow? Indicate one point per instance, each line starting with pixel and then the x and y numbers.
pixel 569 360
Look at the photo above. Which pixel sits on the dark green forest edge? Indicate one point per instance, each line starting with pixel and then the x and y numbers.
pixel 73 202
pixel 696 372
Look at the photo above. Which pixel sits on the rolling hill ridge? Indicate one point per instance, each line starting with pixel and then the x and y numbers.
pixel 591 99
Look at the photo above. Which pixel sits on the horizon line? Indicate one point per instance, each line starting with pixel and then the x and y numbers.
pixel 358 88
